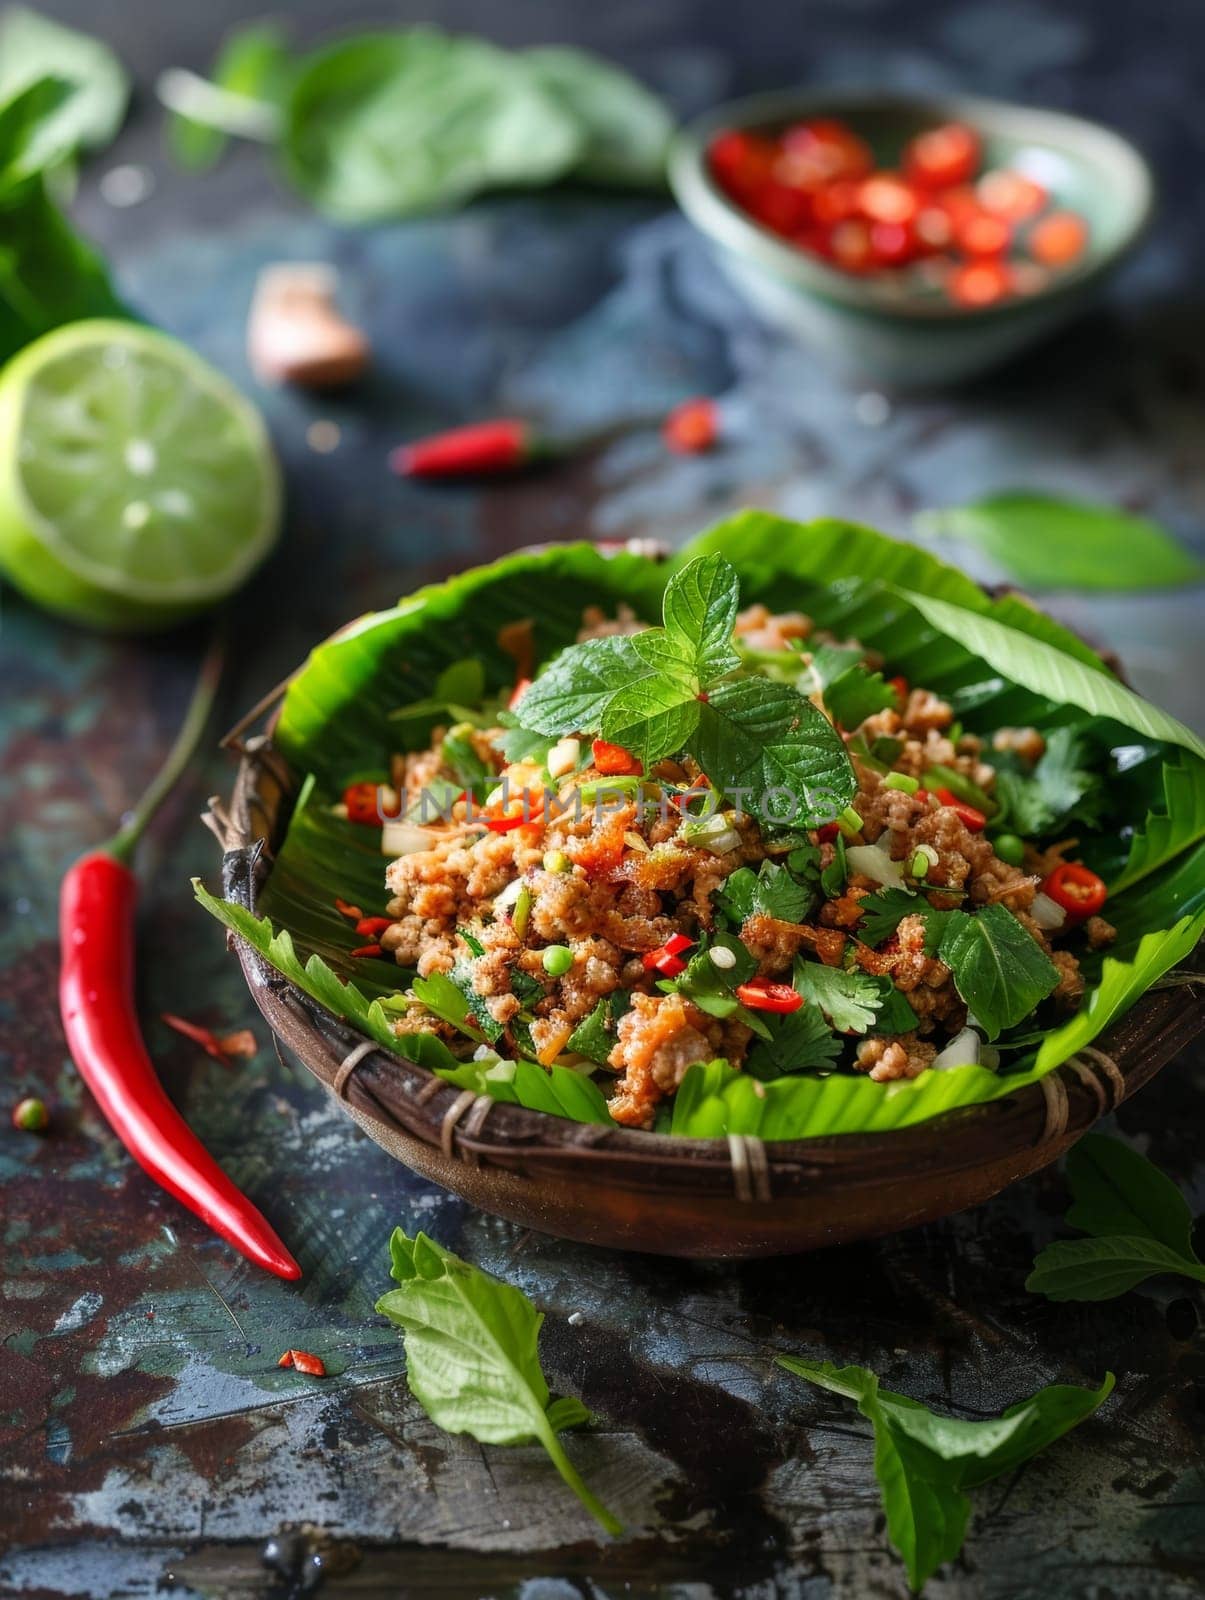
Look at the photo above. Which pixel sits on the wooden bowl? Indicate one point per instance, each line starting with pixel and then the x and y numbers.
pixel 631 1190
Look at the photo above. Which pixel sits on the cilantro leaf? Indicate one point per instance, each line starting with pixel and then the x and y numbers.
pixel 800 1042
pixel 998 969
pixel 895 1012
pixel 924 1462
pixel 773 891
pixel 850 1000
pixel 1059 785
pixel 759 736
pixel 572 692
pixel 711 988
pixel 472 1361
pixel 883 912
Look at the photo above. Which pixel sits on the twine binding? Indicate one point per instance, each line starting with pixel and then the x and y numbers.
pixel 1109 1069
pixel 750 1169
pixel 1054 1091
pixel 348 1065
pixel 451 1117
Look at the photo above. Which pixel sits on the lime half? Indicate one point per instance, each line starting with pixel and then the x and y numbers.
pixel 137 485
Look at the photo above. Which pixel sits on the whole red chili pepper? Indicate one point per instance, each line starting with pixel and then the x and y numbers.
pixel 504 445
pixel 96 997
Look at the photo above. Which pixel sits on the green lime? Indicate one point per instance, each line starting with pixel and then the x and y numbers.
pixel 137 485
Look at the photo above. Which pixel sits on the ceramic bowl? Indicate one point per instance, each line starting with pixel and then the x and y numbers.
pixel 870 327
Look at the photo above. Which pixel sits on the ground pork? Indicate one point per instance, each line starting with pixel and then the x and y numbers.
pixel 1027 743
pixel 597 625
pixel 758 628
pixel 658 1040
pixel 885 1060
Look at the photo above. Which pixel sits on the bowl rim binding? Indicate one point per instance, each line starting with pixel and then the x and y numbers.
pixel 719 218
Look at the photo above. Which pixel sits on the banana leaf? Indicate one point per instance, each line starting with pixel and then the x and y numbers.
pixel 999 660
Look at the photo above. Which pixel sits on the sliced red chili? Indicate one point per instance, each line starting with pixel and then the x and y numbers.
pixel 828 833
pixel 613 761
pixel 900 685
pixel 693 427
pixel 501 445
pixel 363 803
pixel 667 954
pixel 365 952
pixel 205 1037
pixel 304 1362
pixel 1079 891
pixel 759 994
pixel 506 824
pixel 345 909
pixel 517 693
pixel 370 927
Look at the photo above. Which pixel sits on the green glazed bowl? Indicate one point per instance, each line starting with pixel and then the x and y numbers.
pixel 869 326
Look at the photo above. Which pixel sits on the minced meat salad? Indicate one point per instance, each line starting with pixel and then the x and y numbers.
pixel 732 836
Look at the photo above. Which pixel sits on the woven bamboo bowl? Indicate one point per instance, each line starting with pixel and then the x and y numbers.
pixel 717 1198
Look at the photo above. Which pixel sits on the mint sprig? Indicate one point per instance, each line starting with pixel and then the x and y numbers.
pixel 674 689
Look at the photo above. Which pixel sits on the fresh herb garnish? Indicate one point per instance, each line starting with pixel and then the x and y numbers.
pixel 850 1000
pixel 883 911
pixel 595 1037
pixel 998 969
pixel 800 1042
pixel 835 876
pixel 472 1359
pixel 711 988
pixel 448 999
pixel 1059 786
pixel 895 1012
pixel 925 1462
pixel 773 891
pixel 1138 1220
pixel 670 689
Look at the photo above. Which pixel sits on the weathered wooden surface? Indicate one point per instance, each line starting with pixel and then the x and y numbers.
pixel 146 1436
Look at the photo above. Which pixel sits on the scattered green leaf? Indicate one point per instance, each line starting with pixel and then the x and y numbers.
pixel 998 968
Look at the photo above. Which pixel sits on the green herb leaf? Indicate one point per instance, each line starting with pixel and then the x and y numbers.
pixel 572 692
pixel 700 612
pixel 850 1000
pixel 33 46
pixel 711 988
pixel 1046 542
pixel 858 694
pixel 472 1359
pixel 1102 1269
pixel 595 1037
pixel 924 1461
pixel 1139 1219
pixel 1059 785
pixel 627 128
pixel 799 1042
pixel 383 125
pixel 253 62
pixel 999 970
pixel 447 999
pixel 772 891
pixel 883 912
pixel 652 717
pixel 895 1013
pixel 835 876
pixel 761 736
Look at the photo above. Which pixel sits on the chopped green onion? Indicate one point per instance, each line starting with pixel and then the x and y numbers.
pixel 557 861
pixel 558 958
pixel 522 911
pixel 849 822
pixel 939 777
pixel 901 781
pixel 918 867
pixel 620 785
pixel 1009 848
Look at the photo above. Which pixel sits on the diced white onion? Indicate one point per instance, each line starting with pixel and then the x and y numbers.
pixel 962 1051
pixel 505 898
pixel 405 839
pixel 562 758
pixel 875 864
pixel 720 956
pixel 1047 913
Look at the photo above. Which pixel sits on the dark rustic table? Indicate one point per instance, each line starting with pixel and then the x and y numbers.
pixel 149 1441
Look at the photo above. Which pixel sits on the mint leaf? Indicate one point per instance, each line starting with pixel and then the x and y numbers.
pixel 472 1359
pixel 652 717
pixel 850 1000
pixel 799 1042
pixel 924 1462
pixel 572 692
pixel 883 912
pixel 700 608
pixel 757 735
pixel 998 969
